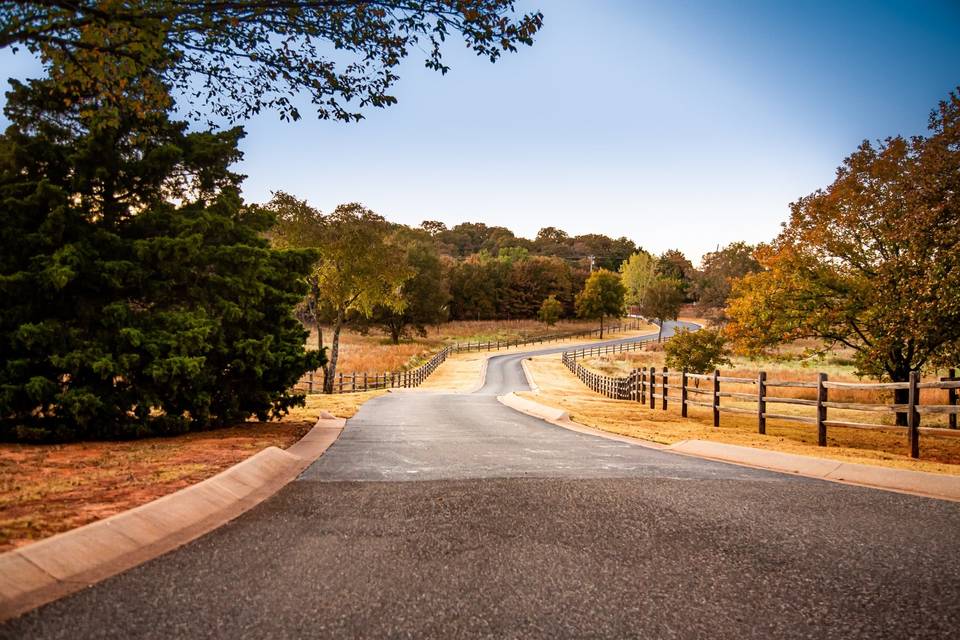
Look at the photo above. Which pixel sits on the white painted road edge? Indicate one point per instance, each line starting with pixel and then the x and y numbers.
pixel 920 483
pixel 54 567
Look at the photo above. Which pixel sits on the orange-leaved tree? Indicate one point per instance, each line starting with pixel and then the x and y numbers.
pixel 871 262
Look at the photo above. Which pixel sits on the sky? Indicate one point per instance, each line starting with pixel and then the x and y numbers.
pixel 684 124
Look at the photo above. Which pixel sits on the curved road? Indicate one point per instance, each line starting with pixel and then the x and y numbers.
pixel 451 515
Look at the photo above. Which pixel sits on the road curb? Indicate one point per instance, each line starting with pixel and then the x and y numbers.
pixel 919 483
pixel 57 566
pixel 483 375
pixel 529 376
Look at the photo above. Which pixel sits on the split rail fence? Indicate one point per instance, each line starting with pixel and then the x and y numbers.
pixel 359 381
pixel 649 385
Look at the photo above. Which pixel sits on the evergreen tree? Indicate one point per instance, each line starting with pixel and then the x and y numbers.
pixel 139 295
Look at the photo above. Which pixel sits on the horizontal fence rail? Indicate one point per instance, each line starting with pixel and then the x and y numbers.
pixel 649 385
pixel 359 381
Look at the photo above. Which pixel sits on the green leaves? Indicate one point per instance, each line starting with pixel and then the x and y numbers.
pixel 700 351
pixel 550 310
pixel 140 296
pixel 602 296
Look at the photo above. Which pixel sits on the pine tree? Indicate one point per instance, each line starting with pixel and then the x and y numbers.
pixel 140 297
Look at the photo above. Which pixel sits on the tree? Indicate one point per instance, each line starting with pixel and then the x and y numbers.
pixel 719 270
pixel 433 227
pixel 357 269
pixel 673 265
pixel 476 286
pixel 236 58
pixel 550 310
pixel 530 281
pixel 636 273
pixel 140 297
pixel 871 262
pixel 608 253
pixel 602 296
pixel 425 296
pixel 298 226
pixel 700 351
pixel 662 302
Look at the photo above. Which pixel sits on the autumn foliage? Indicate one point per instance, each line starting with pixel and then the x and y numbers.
pixel 871 262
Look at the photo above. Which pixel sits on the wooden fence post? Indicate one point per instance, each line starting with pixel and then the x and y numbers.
pixel 761 403
pixel 341 382
pixel 663 394
pixel 716 397
pixel 653 387
pixel 310 382
pixel 643 386
pixel 821 410
pixel 913 418
pixel 952 399
pixel 683 393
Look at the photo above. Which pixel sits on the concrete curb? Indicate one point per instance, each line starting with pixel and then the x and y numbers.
pixel 57 566
pixel 919 483
pixel 483 375
pixel 534 409
pixel 529 376
pixel 562 419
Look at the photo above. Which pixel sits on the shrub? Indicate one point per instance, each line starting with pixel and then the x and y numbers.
pixel 697 351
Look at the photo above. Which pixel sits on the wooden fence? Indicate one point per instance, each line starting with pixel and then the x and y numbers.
pixel 649 385
pixel 357 381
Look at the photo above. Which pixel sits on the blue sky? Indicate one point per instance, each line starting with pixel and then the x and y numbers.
pixel 678 124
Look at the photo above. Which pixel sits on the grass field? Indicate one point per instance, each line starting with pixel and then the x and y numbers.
pixel 47 489
pixel 462 372
pixel 788 363
pixel 375 352
pixel 560 388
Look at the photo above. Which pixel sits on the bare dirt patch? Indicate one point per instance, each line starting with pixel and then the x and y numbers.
pixel 48 489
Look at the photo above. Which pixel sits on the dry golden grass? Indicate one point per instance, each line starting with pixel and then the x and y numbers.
pixel 342 405
pixel 47 489
pixel 462 372
pixel 620 364
pixel 559 388
pixel 375 353
pixel 459 373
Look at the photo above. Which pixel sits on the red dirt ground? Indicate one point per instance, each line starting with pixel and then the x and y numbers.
pixel 47 489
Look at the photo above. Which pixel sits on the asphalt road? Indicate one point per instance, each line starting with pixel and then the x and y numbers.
pixel 449 516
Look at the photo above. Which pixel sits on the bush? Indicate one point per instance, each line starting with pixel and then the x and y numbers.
pixel 700 351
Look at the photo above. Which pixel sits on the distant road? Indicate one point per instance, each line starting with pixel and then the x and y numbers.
pixel 453 516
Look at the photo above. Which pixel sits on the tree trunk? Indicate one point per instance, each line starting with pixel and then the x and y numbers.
pixel 660 332
pixel 331 369
pixel 601 327
pixel 316 322
pixel 901 396
pixel 396 327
